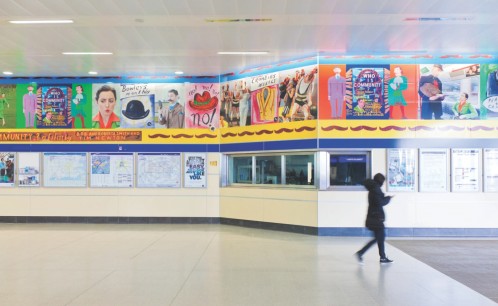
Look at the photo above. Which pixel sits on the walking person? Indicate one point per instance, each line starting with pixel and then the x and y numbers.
pixel 376 217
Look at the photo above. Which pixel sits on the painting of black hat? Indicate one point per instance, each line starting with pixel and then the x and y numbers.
pixel 135 110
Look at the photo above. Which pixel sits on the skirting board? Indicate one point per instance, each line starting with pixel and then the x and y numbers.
pixel 308 230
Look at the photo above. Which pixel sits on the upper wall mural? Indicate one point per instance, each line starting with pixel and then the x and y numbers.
pixel 283 93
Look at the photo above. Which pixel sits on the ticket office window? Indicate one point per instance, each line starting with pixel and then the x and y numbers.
pixel 272 169
pixel 348 170
pixel 240 170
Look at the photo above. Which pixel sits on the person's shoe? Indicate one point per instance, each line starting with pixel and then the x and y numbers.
pixel 359 257
pixel 385 260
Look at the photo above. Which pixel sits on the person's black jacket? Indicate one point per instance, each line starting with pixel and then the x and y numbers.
pixel 376 201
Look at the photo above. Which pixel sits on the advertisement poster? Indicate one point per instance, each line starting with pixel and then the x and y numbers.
pixel 26 104
pixel 137 105
pixel 369 93
pixel 106 109
pixel 64 170
pixel 169 106
pixel 111 170
pixel 235 97
pixel 29 169
pixel 490 170
pixel 8 106
pixel 159 170
pixel 465 170
pixel 54 108
pixel 433 170
pixel 81 106
pixel 203 107
pixel 298 94
pixel 449 92
pixel 403 92
pixel 401 174
pixel 264 93
pixel 333 91
pixel 195 166
pixel 7 166
pixel 489 91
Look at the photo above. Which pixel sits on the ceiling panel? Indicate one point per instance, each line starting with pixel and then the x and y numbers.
pixel 150 37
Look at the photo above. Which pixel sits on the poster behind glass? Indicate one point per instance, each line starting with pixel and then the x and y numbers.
pixel 465 170
pixel 195 167
pixel 111 170
pixel 7 165
pixel 433 170
pixel 490 170
pixel 159 170
pixel 401 175
pixel 29 169
pixel 64 170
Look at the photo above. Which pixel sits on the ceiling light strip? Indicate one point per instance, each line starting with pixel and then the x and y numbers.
pixel 87 53
pixel 40 21
pixel 242 52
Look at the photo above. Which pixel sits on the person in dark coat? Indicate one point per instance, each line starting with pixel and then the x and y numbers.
pixel 376 217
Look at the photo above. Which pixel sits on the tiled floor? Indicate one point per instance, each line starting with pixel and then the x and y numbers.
pixel 84 264
pixel 473 262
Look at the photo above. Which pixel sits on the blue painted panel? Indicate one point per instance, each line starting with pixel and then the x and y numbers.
pixel 304 144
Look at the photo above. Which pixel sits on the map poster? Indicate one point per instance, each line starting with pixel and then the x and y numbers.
pixel 54 106
pixel 29 169
pixel 195 170
pixel 7 166
pixel 401 169
pixel 64 170
pixel 159 170
pixel 433 170
pixel 490 170
pixel 111 170
pixel 465 170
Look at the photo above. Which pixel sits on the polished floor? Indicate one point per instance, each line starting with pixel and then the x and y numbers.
pixel 85 264
pixel 473 262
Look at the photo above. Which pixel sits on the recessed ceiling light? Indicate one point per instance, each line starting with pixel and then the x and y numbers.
pixel 39 21
pixel 242 52
pixel 240 20
pixel 93 72
pixel 426 19
pixel 87 53
pixel 8 73
pixel 178 72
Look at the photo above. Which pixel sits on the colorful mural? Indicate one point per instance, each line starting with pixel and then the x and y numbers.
pixel 301 90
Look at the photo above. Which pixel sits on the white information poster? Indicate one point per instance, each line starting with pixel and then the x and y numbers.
pixel 111 170
pixel 491 170
pixel 195 166
pixel 64 170
pixel 7 166
pixel 401 175
pixel 465 170
pixel 29 169
pixel 433 170
pixel 159 170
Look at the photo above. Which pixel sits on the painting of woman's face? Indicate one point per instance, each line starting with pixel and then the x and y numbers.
pixel 106 103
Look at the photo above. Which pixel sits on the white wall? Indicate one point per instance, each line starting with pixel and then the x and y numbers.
pixel 275 205
pixel 282 205
pixel 409 209
pixel 116 202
